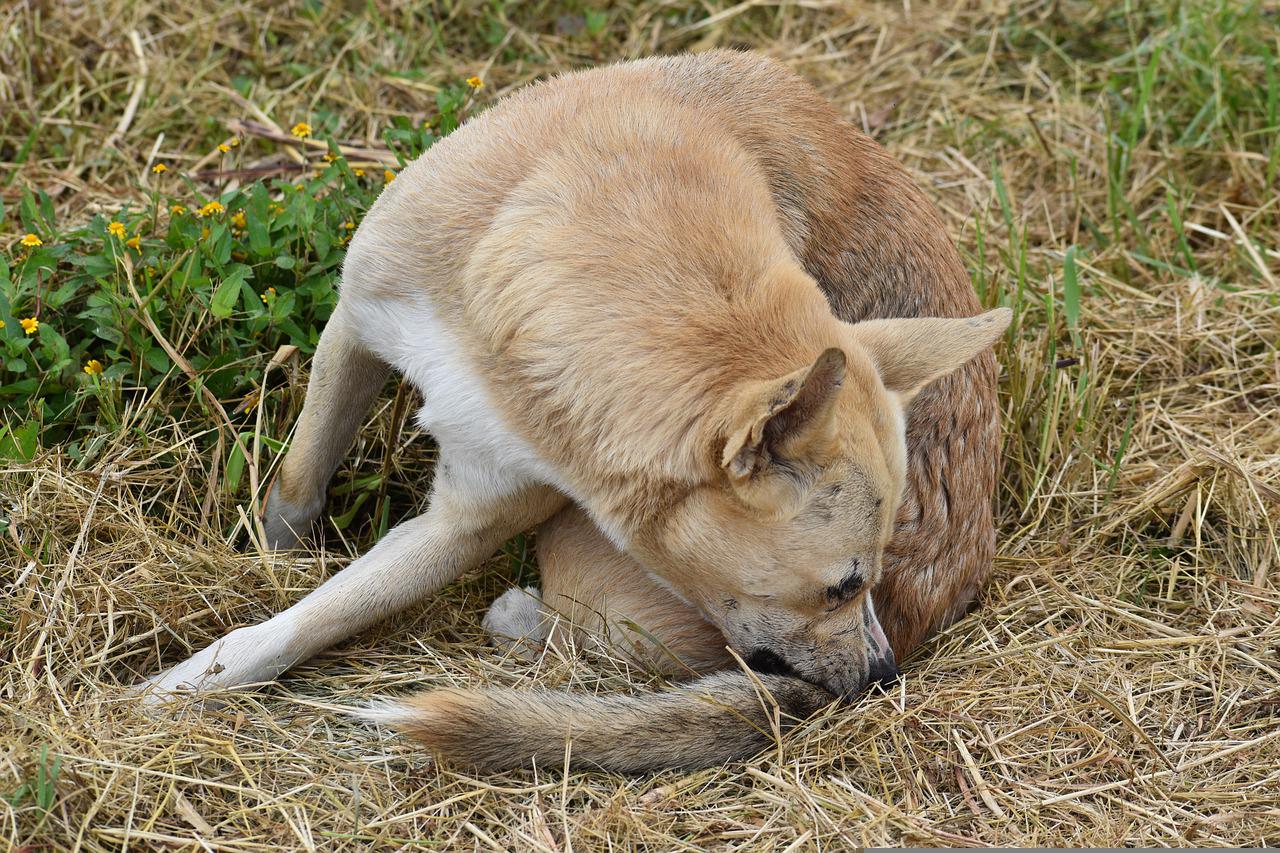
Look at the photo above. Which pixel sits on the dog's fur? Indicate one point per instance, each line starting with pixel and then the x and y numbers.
pixel 656 299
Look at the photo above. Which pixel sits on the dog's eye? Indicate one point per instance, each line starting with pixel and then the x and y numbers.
pixel 846 589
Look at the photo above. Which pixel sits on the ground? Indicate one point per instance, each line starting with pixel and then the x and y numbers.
pixel 1107 169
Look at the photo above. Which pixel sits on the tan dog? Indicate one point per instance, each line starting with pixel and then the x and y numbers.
pixel 631 291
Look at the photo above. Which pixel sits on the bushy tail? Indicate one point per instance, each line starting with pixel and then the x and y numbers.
pixel 715 719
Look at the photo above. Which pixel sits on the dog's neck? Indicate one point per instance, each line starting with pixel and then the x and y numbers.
pixel 665 433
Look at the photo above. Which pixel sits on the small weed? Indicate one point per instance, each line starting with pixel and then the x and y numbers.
pixel 39 789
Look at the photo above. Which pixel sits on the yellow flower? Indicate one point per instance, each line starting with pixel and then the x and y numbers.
pixel 159 168
pixel 329 156
pixel 224 148
pixel 301 130
pixel 389 175
pixel 134 242
pixel 210 209
pixel 475 82
pixel 350 226
pixel 116 229
pixel 2 324
pixel 274 208
pixel 270 291
pixel 29 325
pixel 177 210
pixel 204 232
pixel 237 219
pixel 93 367
pixel 235 141
pixel 359 173
pixel 31 241
pixel 250 401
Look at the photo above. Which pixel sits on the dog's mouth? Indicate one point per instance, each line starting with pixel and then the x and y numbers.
pixel 883 671
pixel 769 662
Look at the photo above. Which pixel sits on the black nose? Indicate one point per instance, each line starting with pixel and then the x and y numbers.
pixel 884 672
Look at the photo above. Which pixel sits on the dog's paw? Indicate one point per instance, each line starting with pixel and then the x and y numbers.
pixel 286 523
pixel 516 623
pixel 244 657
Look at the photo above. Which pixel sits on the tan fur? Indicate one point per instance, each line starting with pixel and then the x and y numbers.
pixel 655 270
pixel 721 714
pixel 601 594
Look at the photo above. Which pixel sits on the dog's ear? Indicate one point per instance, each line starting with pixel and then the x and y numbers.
pixel 777 418
pixel 911 353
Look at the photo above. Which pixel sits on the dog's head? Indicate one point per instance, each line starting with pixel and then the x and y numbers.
pixel 782 548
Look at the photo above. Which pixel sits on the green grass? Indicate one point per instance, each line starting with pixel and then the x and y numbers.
pixel 228 274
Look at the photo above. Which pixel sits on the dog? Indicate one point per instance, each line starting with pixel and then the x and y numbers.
pixel 718 345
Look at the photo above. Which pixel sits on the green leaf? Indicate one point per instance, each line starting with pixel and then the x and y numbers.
pixel 256 223
pixel 322 241
pixel 595 20
pixel 220 244
pixel 157 359
pixel 228 292
pixel 20 443
pixel 27 212
pixel 191 276
pixel 46 207
pixel 235 466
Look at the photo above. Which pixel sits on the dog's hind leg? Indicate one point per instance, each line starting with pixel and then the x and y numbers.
pixel 345 379
pixel 594 594
pixel 467 520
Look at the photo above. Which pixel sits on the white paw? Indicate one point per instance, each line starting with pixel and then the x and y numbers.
pixel 516 623
pixel 243 657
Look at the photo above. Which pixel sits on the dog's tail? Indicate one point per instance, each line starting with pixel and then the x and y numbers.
pixel 715 719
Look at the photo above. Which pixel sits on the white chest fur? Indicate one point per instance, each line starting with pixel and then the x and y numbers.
pixel 458 409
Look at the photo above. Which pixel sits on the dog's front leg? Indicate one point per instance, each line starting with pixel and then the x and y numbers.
pixel 461 527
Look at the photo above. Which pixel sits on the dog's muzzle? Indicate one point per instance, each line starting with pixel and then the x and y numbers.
pixel 845 674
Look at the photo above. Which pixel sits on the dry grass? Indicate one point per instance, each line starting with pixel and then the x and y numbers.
pixel 1120 682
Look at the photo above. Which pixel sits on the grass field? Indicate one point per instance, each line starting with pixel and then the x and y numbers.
pixel 1109 170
